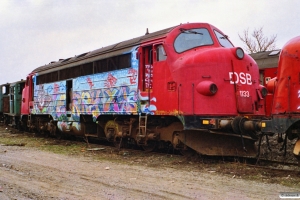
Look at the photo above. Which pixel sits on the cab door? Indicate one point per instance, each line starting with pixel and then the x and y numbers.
pixel 27 96
pixel 146 83
pixel 157 88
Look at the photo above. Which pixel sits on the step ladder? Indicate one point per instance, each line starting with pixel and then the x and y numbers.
pixel 29 120
pixel 142 126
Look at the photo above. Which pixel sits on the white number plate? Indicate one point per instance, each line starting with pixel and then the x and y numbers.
pixel 244 93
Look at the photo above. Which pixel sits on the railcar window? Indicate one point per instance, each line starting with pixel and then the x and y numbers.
pixel 12 91
pixel 124 61
pixel 5 89
pixel 192 38
pixel 113 63
pixel 160 53
pixel 86 69
pixel 47 78
pixel 104 65
pixel 20 87
pixel 223 39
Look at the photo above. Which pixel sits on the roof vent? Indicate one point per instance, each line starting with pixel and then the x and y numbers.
pixel 81 55
pixel 65 60
pixel 147 32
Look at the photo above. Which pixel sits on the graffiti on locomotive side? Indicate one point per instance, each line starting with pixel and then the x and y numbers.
pixel 133 76
pixel 110 81
pixel 148 76
pixel 122 100
pixel 108 92
pixel 113 92
pixel 298 108
pixel 50 99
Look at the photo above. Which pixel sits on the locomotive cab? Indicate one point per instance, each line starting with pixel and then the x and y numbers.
pixel 214 77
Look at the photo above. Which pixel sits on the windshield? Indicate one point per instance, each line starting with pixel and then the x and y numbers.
pixel 223 39
pixel 192 38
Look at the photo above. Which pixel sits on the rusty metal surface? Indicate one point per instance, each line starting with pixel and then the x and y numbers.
pixel 6 104
pixel 217 144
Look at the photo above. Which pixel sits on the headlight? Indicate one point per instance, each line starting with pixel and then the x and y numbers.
pixel 239 52
pixel 264 92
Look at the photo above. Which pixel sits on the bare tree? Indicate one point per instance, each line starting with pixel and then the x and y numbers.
pixel 258 42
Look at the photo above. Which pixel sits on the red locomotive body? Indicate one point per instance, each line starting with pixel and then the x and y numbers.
pixel 285 114
pixel 187 86
pixel 267 62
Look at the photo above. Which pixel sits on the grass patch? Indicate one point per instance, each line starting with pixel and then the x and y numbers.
pixel 46 144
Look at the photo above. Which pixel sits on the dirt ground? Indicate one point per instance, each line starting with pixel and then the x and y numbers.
pixel 27 172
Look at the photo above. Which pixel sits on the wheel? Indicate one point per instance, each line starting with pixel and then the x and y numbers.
pixel 151 146
pixel 118 142
pixel 58 135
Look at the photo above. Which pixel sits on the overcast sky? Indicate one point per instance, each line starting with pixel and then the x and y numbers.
pixel 36 32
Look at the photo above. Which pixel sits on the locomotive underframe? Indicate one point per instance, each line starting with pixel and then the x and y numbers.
pixel 217 137
pixel 12 120
pixel 290 126
pixel 282 124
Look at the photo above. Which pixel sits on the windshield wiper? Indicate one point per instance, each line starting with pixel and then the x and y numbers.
pixel 189 31
pixel 224 37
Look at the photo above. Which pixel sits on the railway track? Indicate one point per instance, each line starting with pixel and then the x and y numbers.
pixel 94 145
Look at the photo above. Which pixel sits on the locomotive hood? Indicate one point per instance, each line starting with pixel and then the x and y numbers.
pixel 287 91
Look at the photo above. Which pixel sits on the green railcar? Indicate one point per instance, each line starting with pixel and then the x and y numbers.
pixel 12 100
pixel 4 100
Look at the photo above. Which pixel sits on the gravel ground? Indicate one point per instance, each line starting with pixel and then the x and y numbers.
pixel 31 173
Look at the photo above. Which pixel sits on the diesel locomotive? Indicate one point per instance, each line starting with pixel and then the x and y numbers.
pixel 283 114
pixel 185 87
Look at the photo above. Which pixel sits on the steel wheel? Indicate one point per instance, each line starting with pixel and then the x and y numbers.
pixel 151 146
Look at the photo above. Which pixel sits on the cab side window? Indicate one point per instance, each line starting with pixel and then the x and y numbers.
pixel 160 53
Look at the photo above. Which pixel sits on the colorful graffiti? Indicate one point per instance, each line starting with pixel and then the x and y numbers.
pixel 50 99
pixel 117 100
pixel 110 81
pixel 147 106
pixel 133 75
pixel 148 76
pixel 113 92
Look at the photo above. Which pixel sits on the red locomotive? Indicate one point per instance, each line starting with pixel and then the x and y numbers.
pixel 285 92
pixel 267 62
pixel 186 86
